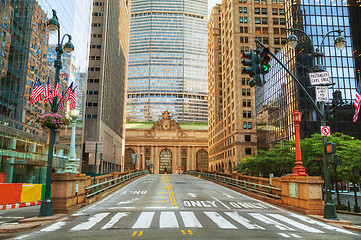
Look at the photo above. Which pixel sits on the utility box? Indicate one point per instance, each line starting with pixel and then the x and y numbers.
pixel 2 177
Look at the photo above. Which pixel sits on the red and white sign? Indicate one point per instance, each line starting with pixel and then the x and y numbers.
pixel 325 131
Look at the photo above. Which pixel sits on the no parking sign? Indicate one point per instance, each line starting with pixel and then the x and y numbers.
pixel 325 131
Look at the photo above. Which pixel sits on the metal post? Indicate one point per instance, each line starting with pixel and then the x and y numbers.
pixel 356 208
pixel 95 160
pixel 329 207
pixel 46 208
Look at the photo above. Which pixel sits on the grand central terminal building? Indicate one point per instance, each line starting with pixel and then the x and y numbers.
pixel 166 146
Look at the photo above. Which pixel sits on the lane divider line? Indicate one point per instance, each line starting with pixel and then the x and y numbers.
pixel 170 186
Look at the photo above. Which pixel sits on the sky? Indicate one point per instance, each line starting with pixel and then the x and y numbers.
pixel 211 4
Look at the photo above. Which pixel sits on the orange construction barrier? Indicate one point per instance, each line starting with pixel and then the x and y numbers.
pixel 10 193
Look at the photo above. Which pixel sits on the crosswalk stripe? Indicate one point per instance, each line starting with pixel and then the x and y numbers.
pixel 144 220
pixel 245 222
pixel 321 224
pixel 284 235
pixel 220 221
pixel 115 219
pixel 53 227
pixel 294 223
pixel 190 220
pixel 295 235
pixel 267 220
pixel 90 223
pixel 168 220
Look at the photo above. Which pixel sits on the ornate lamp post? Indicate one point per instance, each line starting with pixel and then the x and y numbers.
pixel 299 170
pixel 46 208
pixel 70 166
pixel 340 41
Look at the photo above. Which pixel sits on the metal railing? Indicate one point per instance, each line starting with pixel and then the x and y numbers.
pixel 101 187
pixel 248 186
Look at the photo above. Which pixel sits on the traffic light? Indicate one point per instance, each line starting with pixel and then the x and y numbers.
pixel 331 154
pixel 330 148
pixel 331 112
pixel 249 62
pixel 264 60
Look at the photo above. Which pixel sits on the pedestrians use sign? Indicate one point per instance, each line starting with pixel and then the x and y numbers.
pixel 319 78
pixel 325 131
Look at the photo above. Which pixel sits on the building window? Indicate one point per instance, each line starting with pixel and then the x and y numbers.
pixel 265 40
pixel 264 11
pixel 248 151
pixel 264 20
pixel 247 138
pixel 257 11
pixel 275 21
pixel 257 20
pixel 274 11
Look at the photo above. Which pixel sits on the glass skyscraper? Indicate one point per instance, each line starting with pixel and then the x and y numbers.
pixel 280 96
pixel 168 60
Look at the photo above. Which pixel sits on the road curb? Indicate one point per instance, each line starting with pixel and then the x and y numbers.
pixel 19 205
pixel 28 223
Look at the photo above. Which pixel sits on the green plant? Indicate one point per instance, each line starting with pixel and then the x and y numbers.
pixel 53 121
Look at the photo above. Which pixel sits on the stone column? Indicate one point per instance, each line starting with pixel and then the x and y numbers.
pixel 9 169
pixel 142 157
pixel 156 160
pixel 179 159
pixel 303 192
pixel 189 159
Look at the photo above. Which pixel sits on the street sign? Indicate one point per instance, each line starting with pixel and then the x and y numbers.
pixel 322 94
pixel 325 131
pixel 319 78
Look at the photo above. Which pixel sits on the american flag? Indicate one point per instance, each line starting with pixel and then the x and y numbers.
pixel 48 95
pixel 72 99
pixel 56 90
pixel 38 91
pixel 357 102
pixel 68 92
pixel 61 101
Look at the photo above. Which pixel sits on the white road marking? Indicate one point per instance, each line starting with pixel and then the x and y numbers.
pixel 221 202
pixel 220 221
pixel 294 223
pixel 168 220
pixel 190 220
pixel 23 236
pixel 129 201
pixel 267 220
pixel 192 195
pixel 321 224
pixel 53 227
pixel 284 235
pixel 90 223
pixel 115 219
pixel 227 195
pixel 295 235
pixel 244 221
pixel 144 220
pixel 121 208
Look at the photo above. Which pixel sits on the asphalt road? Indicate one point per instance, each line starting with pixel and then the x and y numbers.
pixel 16 214
pixel 184 207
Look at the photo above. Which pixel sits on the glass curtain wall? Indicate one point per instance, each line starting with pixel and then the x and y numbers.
pixel 168 60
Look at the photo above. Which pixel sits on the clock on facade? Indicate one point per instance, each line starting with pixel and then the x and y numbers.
pixel 166 125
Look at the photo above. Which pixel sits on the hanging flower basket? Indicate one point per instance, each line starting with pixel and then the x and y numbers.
pixel 52 121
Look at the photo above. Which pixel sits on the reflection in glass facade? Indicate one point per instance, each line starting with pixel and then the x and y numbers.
pixel 168 60
pixel 281 96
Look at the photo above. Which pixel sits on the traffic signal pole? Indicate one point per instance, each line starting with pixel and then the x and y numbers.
pixel 329 208
pixel 295 78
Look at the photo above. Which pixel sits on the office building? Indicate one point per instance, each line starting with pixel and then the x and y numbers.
pixel 104 121
pixel 280 96
pixel 168 60
pixel 232 123
pixel 24 59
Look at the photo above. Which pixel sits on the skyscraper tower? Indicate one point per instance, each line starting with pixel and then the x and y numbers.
pixel 233 28
pixel 107 74
pixel 168 60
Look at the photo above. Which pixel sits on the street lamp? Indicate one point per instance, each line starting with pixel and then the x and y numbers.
pixel 46 208
pixel 70 166
pixel 298 170
pixel 340 42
